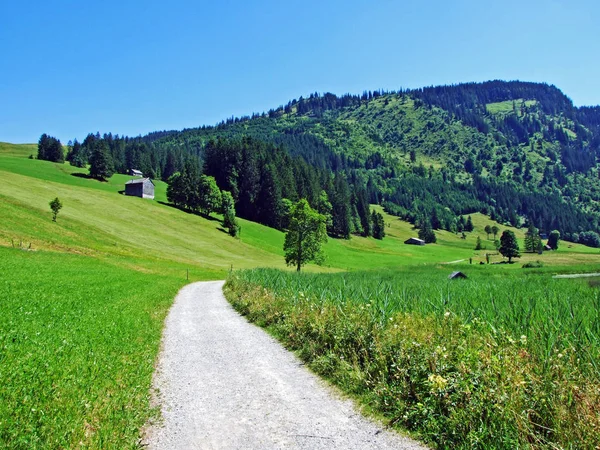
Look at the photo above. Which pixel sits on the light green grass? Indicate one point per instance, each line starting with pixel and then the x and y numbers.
pixel 78 342
pixel 18 150
pixel 506 107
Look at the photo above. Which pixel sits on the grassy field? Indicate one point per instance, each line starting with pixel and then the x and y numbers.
pixel 78 341
pixel 506 357
pixel 507 107
pixel 86 296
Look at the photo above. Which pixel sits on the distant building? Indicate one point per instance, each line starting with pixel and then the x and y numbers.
pixel 547 247
pixel 543 236
pixel 136 173
pixel 414 241
pixel 456 275
pixel 144 188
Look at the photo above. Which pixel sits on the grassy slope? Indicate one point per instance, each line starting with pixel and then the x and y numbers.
pixel 129 255
pixel 95 220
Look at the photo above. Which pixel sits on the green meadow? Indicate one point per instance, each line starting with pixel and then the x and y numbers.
pixel 84 298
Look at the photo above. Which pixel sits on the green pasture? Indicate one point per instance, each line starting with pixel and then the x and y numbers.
pixel 84 298
pixel 78 342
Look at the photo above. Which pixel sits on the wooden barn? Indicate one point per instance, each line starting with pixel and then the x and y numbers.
pixel 136 173
pixel 144 188
pixel 414 241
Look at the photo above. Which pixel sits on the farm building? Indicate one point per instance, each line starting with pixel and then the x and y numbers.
pixel 136 173
pixel 414 241
pixel 144 187
pixel 456 276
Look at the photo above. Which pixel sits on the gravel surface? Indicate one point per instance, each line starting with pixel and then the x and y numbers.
pixel 225 383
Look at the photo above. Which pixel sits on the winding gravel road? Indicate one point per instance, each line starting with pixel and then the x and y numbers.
pixel 225 383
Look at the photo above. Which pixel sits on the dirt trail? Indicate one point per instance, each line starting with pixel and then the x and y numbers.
pixel 577 275
pixel 225 383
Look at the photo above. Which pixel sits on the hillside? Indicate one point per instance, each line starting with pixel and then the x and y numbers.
pixel 87 296
pixel 153 236
pixel 513 150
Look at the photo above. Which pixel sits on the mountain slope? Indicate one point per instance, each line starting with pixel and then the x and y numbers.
pixel 516 140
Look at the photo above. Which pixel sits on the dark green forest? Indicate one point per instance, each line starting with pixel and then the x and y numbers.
pixel 520 152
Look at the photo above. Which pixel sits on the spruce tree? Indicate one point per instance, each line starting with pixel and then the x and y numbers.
pixel 532 239
pixel 101 164
pixel 509 247
pixel 469 225
pixel 426 233
pixel 341 207
pixel 228 209
pixel 378 226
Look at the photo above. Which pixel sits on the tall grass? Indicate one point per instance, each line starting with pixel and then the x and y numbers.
pixel 504 357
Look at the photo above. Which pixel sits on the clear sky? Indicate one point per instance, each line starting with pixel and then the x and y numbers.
pixel 68 68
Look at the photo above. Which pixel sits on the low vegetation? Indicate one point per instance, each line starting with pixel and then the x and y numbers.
pixel 505 357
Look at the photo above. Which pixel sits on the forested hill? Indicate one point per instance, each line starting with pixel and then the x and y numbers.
pixel 521 152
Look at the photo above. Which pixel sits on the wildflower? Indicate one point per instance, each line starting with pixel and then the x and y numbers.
pixel 523 339
pixel 437 381
pixel 447 314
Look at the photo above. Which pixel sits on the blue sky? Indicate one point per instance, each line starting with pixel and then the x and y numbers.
pixel 68 68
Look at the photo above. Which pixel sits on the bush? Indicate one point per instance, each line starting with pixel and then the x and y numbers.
pixel 533 265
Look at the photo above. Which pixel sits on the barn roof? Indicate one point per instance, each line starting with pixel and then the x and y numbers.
pixel 139 180
pixel 454 275
pixel 414 240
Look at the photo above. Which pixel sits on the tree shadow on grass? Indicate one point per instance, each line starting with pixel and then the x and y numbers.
pixel 187 211
pixel 82 175
pixel 86 176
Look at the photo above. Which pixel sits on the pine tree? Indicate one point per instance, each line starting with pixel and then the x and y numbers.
pixel 469 225
pixel 378 226
pixel 509 247
pixel 101 164
pixel 426 233
pixel 532 239
pixel 228 209
pixel 341 207
pixel 268 198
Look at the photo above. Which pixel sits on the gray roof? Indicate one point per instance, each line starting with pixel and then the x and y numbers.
pixel 139 180
pixel 456 275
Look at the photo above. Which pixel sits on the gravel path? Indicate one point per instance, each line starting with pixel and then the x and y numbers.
pixel 225 383
pixel 577 275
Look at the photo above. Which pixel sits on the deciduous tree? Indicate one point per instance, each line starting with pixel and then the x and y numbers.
pixel 228 208
pixel 305 236
pixel 553 239
pixel 55 206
